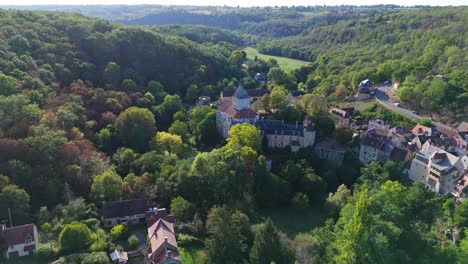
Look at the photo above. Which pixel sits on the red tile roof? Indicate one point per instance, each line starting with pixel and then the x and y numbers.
pixel 18 234
pixel 463 127
pixel 226 107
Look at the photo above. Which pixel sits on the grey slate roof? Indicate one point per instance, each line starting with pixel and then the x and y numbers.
pixel 240 92
pixel 124 208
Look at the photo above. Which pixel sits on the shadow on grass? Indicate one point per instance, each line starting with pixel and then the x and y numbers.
pixel 292 221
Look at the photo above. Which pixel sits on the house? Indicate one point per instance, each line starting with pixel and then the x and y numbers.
pixel 383 145
pixel 20 240
pixel 235 109
pixel 126 212
pixel 377 123
pixel 330 150
pixel 365 89
pixel 420 130
pixel 163 245
pixel 344 115
pixel 440 171
pixel 260 78
pixel 119 257
pixel 203 101
pixel 462 130
pixel 278 134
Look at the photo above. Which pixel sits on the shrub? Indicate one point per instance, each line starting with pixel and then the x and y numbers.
pixel 92 223
pixel 95 258
pixel 188 240
pixel 300 201
pixel 118 232
pixel 45 251
pixel 46 227
pixel 133 242
pixel 75 236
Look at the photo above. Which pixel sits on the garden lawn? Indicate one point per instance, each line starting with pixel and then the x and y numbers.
pixel 192 254
pixel 286 64
pixel 291 221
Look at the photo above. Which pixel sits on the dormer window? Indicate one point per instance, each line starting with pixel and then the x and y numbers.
pixel 28 240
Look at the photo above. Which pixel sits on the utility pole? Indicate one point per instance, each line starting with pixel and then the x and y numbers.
pixel 9 215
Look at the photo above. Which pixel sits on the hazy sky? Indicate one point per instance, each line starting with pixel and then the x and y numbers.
pixel 236 2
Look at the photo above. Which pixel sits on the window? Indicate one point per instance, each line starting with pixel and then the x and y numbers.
pixel 28 240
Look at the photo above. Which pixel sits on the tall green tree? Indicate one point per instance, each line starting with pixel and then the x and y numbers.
pixel 267 247
pixel 246 135
pixel 75 236
pixel 107 187
pixel 136 126
pixel 227 240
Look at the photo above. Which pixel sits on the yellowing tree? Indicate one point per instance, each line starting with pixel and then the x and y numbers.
pixel 245 135
pixel 164 141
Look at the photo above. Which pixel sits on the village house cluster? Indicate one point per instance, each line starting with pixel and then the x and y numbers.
pixel 161 235
pixel 435 156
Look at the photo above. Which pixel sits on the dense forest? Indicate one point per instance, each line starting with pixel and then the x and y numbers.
pixel 94 111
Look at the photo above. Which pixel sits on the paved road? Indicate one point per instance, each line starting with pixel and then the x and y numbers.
pixel 383 99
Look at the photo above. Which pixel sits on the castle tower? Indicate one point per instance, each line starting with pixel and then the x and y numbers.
pixel 241 99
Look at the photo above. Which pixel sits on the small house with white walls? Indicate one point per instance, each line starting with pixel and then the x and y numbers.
pixel 20 240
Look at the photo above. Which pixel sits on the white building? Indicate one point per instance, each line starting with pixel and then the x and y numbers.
pixel 440 171
pixel 20 240
pixel 235 109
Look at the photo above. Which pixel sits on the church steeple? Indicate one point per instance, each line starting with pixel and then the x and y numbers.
pixel 241 99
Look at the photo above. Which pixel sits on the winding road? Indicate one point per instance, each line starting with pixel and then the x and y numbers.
pixel 383 99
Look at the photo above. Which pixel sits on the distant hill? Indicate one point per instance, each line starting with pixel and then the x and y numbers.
pixel 72 47
pixel 409 47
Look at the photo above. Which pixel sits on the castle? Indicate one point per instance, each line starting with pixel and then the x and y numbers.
pixel 236 109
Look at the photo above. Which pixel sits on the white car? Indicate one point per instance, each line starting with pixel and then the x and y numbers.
pixel 397 104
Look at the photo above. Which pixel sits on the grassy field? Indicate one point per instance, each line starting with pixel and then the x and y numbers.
pixel 291 221
pixel 286 64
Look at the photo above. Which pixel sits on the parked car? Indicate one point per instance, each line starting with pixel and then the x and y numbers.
pixel 397 104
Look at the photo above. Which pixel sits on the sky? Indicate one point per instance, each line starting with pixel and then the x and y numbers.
pixel 237 2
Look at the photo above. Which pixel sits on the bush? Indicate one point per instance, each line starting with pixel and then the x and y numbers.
pixel 95 258
pixel 44 251
pixel 75 236
pixel 133 242
pixel 188 240
pixel 300 201
pixel 92 223
pixel 46 227
pixel 118 232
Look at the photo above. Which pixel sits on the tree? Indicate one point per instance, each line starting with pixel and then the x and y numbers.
pixel 228 232
pixel 338 200
pixel 128 85
pixel 107 186
pixel 74 236
pixel 133 241
pixel 95 258
pixel 460 216
pixel 181 129
pixel 181 209
pixel 246 135
pixel 344 134
pixel 353 244
pixel 16 200
pixel 157 90
pixel 7 85
pixel 300 201
pixel 203 125
pixel 136 126
pixel 112 74
pixel 118 232
pixel 167 142
pixel 425 122
pixel 104 139
pixel 267 247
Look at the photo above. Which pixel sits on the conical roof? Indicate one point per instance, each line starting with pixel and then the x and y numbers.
pixel 240 92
